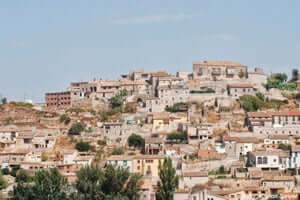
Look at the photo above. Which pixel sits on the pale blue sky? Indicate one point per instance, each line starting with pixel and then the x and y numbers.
pixel 44 45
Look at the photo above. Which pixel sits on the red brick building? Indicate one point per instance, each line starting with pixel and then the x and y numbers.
pixel 58 99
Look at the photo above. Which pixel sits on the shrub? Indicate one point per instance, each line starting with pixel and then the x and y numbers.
pixel 5 171
pixel 136 141
pixel 22 176
pixel 251 103
pixel 208 90
pixel 101 142
pixel 178 107
pixel 83 146
pixel 284 147
pixel 76 128
pixel 64 119
pixel 118 151
pixel 177 137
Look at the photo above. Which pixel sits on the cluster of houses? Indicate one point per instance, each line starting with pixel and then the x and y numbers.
pixel 225 152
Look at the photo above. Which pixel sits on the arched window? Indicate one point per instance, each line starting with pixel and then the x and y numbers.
pixel 259 160
pixel 265 160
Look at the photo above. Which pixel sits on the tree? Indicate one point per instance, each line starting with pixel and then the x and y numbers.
pixel 89 183
pixel 117 151
pixel 112 183
pixel 49 185
pixel 176 137
pixel 3 182
pixel 168 181
pixel 261 96
pixel 76 128
pixel 65 118
pixel 118 100
pixel 83 146
pixel 4 100
pixel 284 147
pixel 23 176
pixel 282 77
pixel 295 75
pixel 136 141
pixel 241 74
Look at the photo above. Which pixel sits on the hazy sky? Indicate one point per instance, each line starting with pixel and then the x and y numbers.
pixel 45 44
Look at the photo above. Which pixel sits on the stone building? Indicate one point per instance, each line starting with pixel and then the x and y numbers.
pixel 219 70
pixel 282 123
pixel 239 89
pixel 270 159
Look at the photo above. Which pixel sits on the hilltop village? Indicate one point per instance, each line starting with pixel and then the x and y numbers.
pixel 230 133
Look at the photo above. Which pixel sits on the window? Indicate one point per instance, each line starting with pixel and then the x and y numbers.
pixel 265 160
pixel 259 160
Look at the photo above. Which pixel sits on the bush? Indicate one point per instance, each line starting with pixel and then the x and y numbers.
pixel 178 107
pixel 5 171
pixel 76 128
pixel 208 90
pixel 64 119
pixel 177 137
pixel 136 141
pixel 261 96
pixel 251 103
pixel 23 177
pixel 14 171
pixel 83 146
pixel 284 147
pixel 101 142
pixel 118 151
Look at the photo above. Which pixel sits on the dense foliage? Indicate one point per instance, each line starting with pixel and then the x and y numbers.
pixel 205 91
pixel 46 185
pixel 176 137
pixel 64 119
pixel 178 107
pixel 23 177
pixel 83 146
pixel 118 100
pixel 3 182
pixel 118 151
pixel 76 128
pixel 113 183
pixel 278 80
pixel 135 140
pixel 284 147
pixel 253 103
pixel 168 182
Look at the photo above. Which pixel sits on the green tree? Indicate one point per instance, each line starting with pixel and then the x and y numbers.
pixel 177 137
pixel 117 101
pixel 48 185
pixel 282 77
pixel 295 75
pixel 112 183
pixel 136 141
pixel 4 100
pixel 89 183
pixel 168 181
pixel 3 182
pixel 76 128
pixel 241 74
pixel 284 147
pixel 117 151
pixel 23 176
pixel 83 146
pixel 64 119
pixel 261 96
